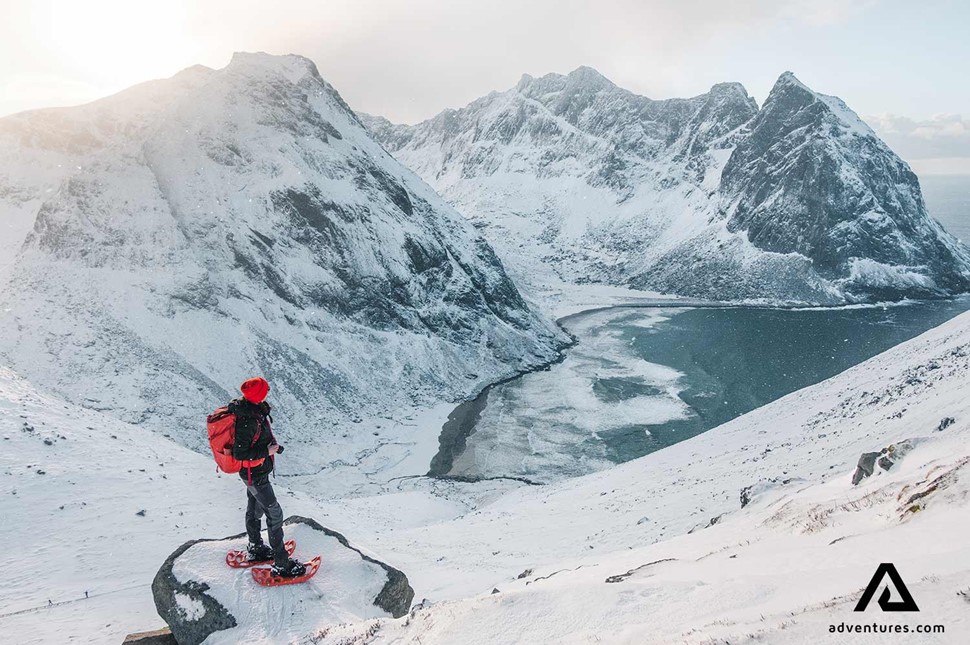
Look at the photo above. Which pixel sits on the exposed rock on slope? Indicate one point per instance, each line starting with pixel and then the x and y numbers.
pixel 190 232
pixel 201 598
pixel 574 178
pixel 884 459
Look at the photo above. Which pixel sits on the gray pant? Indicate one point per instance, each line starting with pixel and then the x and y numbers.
pixel 261 500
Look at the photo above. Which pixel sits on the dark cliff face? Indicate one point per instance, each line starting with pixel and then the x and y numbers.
pixel 811 178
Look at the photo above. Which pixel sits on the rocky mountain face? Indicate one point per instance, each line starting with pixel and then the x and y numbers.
pixel 185 234
pixel 812 178
pixel 573 178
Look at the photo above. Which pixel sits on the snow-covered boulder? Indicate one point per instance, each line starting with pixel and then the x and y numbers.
pixel 883 459
pixel 202 599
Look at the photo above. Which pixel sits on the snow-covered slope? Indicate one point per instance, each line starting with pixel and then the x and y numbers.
pixel 93 506
pixel 188 233
pixel 782 571
pixel 573 178
pixel 610 558
pixel 610 553
pixel 792 561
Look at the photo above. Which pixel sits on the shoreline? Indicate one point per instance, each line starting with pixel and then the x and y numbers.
pixel 462 420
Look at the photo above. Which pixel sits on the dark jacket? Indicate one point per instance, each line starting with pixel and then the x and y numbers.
pixel 254 435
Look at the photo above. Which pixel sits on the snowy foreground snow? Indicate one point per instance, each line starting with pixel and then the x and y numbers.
pixel 608 557
pixel 203 600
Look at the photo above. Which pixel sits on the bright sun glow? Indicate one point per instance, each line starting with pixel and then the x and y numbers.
pixel 115 42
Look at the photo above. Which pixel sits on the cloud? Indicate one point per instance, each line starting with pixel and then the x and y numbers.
pixel 823 12
pixel 405 59
pixel 944 166
pixel 940 137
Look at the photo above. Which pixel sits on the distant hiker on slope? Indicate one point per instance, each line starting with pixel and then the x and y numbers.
pixel 253 455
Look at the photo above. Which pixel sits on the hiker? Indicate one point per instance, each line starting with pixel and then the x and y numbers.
pixel 256 447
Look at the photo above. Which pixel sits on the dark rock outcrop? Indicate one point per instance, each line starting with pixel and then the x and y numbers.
pixel 165 589
pixel 746 495
pixel 865 467
pixel 396 595
pixel 884 459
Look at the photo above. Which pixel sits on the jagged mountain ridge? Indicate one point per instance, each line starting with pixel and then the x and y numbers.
pixel 572 175
pixel 859 201
pixel 189 232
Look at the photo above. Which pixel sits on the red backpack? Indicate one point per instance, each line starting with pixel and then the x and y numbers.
pixel 221 425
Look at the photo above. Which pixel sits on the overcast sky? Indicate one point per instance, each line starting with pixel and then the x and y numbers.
pixel 902 64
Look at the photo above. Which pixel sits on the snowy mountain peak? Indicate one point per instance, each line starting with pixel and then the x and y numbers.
pixel 814 180
pixel 524 81
pixel 195 71
pixel 293 66
pixel 588 76
pixel 577 87
pixel 732 90
pixel 790 94
pixel 615 187
pixel 789 78
pixel 581 77
pixel 289 69
pixel 246 203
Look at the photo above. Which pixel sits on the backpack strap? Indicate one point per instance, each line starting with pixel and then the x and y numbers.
pixel 256 435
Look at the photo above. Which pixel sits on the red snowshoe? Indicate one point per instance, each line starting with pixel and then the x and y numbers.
pixel 240 559
pixel 265 577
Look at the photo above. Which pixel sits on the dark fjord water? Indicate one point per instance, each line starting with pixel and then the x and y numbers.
pixel 641 379
pixel 735 360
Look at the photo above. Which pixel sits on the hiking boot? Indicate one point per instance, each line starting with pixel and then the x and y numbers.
pixel 259 552
pixel 292 569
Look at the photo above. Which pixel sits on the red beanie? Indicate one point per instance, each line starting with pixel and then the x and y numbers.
pixel 255 389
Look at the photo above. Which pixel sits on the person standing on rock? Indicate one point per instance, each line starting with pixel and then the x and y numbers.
pixel 256 447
